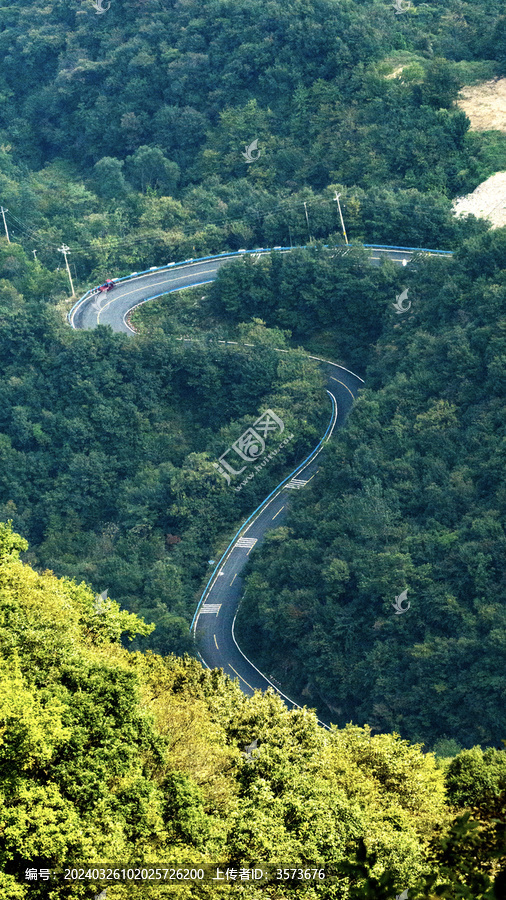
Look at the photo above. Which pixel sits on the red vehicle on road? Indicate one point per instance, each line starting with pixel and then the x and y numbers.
pixel 107 286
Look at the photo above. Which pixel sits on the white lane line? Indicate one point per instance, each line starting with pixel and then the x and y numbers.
pixel 196 263
pixel 274 495
pixel 393 259
pixel 156 284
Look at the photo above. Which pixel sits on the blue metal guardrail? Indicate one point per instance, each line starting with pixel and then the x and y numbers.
pixel 200 259
pixel 411 249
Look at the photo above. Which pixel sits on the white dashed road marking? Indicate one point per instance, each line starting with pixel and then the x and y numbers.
pixel 295 484
pixel 246 542
pixel 211 608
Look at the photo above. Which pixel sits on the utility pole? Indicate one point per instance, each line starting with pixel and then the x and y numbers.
pixel 341 216
pixel 63 249
pixel 3 211
pixel 307 220
pixel 34 254
pixel 290 233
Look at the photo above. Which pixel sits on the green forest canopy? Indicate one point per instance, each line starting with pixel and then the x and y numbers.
pixel 123 134
pixel 108 755
pixel 411 495
pixel 101 465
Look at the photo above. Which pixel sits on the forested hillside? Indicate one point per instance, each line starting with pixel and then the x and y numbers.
pixel 123 133
pixel 107 448
pixel 123 136
pixel 109 756
pixel 411 495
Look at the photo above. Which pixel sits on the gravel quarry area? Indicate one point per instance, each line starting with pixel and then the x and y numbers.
pixel 485 106
pixel 487 201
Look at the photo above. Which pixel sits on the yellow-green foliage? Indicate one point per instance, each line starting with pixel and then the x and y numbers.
pixel 111 756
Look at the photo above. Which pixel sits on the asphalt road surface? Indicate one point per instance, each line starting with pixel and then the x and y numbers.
pixel 213 624
pixel 112 308
pixel 214 621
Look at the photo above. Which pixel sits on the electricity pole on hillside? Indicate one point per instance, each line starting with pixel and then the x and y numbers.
pixel 3 211
pixel 307 220
pixel 336 198
pixel 63 249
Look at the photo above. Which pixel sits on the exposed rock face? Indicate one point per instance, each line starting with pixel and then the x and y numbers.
pixel 487 201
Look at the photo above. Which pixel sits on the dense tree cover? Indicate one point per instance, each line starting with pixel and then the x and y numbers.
pixel 118 231
pixel 107 447
pixel 193 81
pixel 326 298
pixel 123 134
pixel 410 496
pixel 107 755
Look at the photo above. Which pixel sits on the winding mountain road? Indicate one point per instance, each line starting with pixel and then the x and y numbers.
pixel 213 623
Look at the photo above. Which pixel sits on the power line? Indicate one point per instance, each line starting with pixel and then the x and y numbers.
pixel 116 242
pixel 30 233
pixel 188 229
